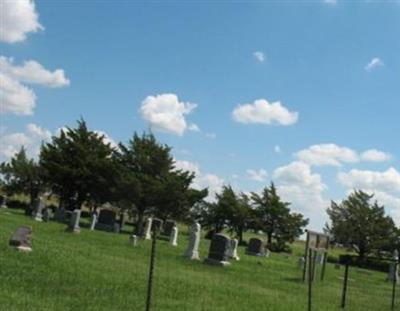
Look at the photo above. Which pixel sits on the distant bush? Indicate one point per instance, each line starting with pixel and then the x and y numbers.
pixel 371 263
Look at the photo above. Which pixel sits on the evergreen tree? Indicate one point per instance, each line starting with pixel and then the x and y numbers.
pixel 273 216
pixel 78 163
pixel 22 175
pixel 358 223
pixel 150 183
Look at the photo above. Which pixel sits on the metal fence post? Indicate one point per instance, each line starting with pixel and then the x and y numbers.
pixel 346 275
pixel 310 278
pixel 151 271
pixel 394 284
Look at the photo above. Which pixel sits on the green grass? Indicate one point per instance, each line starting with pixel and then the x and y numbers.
pixel 96 270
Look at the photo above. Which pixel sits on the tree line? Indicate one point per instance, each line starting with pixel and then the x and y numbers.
pixel 80 168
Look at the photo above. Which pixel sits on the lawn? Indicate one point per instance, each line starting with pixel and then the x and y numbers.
pixel 96 270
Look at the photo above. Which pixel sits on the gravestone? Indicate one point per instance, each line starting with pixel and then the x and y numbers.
pixel 121 221
pixel 147 228
pixel 38 209
pixel 133 240
pixel 320 258
pixel 233 249
pixel 47 214
pixel 192 250
pixel 107 221
pixel 93 221
pixel 167 228
pixel 256 247
pixel 301 262
pixel 393 274
pixel 74 221
pixel 157 225
pixel 3 201
pixel 173 240
pixel 22 239
pixel 218 251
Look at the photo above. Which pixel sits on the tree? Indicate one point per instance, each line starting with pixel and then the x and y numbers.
pixel 22 175
pixel 230 210
pixel 273 216
pixel 80 163
pixel 358 223
pixel 150 183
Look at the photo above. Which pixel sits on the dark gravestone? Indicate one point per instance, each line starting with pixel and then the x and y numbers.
pixel 22 239
pixel 167 228
pixel 108 221
pixel 157 225
pixel 3 201
pixel 256 247
pixel 219 250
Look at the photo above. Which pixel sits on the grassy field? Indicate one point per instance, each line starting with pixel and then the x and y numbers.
pixel 96 270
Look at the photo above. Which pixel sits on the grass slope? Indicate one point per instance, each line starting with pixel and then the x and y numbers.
pixel 96 270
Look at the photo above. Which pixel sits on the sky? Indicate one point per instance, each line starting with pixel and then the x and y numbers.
pixel 302 93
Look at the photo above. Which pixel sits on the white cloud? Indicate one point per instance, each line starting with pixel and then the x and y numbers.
pixel 166 113
pixel 305 190
pixel 384 185
pixel 259 56
pixel 261 111
pixel 327 154
pixel 193 127
pixel 211 135
pixel 373 155
pixel 373 64
pixel 16 97
pixel 31 139
pixel 257 175
pixel 18 18
pixel 387 181
pixel 331 2
pixel 334 155
pixel 107 139
pixel 277 149
pixel 202 180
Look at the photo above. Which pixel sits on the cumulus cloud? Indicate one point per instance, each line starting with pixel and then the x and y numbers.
pixel 373 64
pixel 305 190
pixel 18 18
pixel 327 154
pixel 259 56
pixel 16 97
pixel 334 155
pixel 387 181
pixel 107 139
pixel 202 180
pixel 166 113
pixel 257 175
pixel 31 139
pixel 384 185
pixel 193 127
pixel 263 112
pixel 373 155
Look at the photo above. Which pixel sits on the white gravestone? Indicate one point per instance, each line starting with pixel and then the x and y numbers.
pixel 74 222
pixel 173 239
pixel 301 263
pixel 39 209
pixel 393 274
pixel 133 240
pixel 232 253
pixel 147 230
pixel 194 240
pixel 94 221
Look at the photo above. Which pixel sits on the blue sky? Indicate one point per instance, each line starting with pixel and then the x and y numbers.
pixel 208 77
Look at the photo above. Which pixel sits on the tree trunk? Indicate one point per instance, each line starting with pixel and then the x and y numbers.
pixel 240 235
pixel 139 223
pixel 269 239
